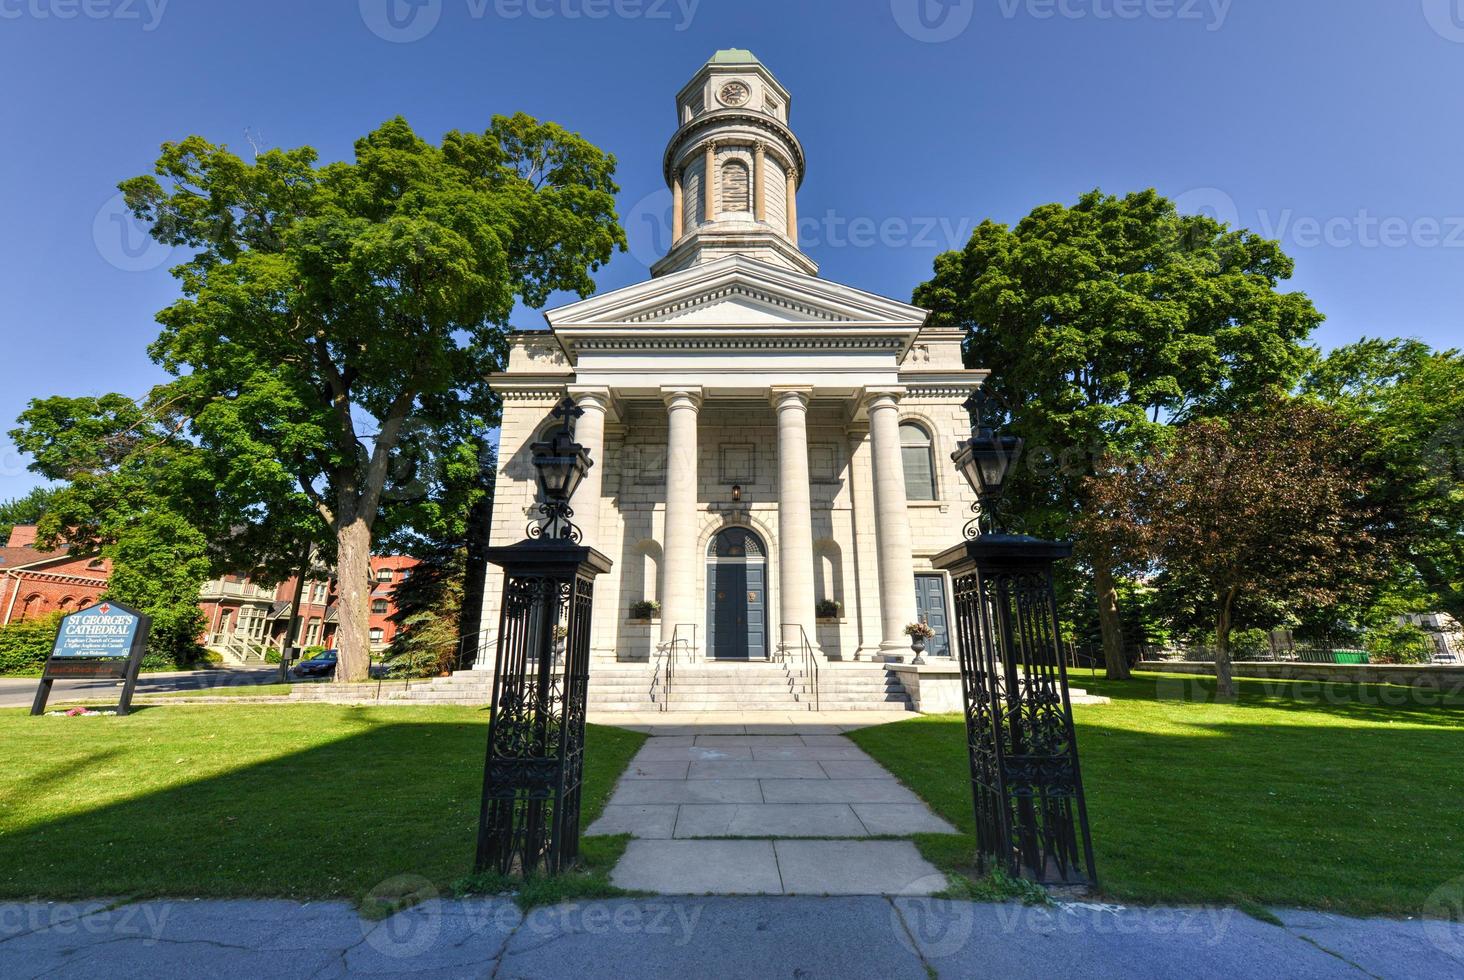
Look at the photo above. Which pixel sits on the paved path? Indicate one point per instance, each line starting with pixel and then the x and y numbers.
pixel 644 939
pixel 20 692
pixel 685 797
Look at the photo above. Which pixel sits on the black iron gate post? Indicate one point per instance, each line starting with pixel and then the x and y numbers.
pixel 1026 784
pixel 529 817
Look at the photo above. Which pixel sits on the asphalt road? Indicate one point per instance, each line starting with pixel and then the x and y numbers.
pixel 19 692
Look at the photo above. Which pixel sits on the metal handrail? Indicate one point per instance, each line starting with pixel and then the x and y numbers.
pixel 810 664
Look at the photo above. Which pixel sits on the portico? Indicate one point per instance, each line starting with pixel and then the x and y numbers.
pixel 737 390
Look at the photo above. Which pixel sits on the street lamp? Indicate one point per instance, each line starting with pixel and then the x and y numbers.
pixel 560 465
pixel 1026 787
pixel 987 459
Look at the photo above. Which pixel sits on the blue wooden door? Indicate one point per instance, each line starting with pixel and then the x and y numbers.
pixel 737 598
pixel 727 612
pixel 930 600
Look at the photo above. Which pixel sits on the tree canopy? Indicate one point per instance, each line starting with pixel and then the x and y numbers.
pixel 1105 322
pixel 338 321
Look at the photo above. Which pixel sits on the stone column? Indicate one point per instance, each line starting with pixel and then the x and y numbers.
pixel 760 182
pixel 892 521
pixel 589 431
pixel 792 207
pixel 709 182
pixel 680 559
pixel 678 208
pixel 795 518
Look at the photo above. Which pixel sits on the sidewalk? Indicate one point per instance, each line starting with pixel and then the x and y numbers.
pixel 790 814
pixel 810 938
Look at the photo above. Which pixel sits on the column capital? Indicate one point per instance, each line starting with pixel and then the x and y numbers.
pixel 589 397
pixel 781 395
pixel 690 397
pixel 889 397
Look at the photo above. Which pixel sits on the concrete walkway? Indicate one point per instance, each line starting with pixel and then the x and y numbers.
pixel 784 814
pixel 645 939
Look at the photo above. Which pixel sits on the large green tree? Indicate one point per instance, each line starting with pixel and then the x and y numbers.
pixel 1104 322
pixel 338 321
pixel 1412 399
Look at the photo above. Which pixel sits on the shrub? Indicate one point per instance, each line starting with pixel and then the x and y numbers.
pixel 1398 643
pixel 24 646
pixel 645 609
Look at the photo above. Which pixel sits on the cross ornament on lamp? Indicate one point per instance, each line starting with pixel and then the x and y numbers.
pixel 560 465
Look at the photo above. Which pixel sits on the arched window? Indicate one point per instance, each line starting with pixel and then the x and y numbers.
pixel 32 606
pixel 736 186
pixel 67 603
pixel 915 449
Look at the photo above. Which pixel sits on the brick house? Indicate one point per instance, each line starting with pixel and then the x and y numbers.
pixel 35 583
pixel 243 619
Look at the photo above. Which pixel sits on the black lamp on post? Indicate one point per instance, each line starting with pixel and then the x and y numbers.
pixel 1027 790
pixel 987 460
pixel 528 821
pixel 560 465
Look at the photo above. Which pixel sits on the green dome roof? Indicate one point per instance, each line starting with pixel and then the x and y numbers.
pixel 734 56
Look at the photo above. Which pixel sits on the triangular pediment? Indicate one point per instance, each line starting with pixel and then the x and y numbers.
pixel 736 292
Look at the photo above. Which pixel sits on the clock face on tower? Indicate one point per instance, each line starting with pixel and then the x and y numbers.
pixel 734 94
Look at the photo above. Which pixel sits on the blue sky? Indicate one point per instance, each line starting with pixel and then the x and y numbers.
pixel 1333 126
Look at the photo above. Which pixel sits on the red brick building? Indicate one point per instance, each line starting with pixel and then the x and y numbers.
pixel 35 583
pixel 243 620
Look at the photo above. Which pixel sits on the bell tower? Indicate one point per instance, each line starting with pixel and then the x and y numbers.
pixel 734 169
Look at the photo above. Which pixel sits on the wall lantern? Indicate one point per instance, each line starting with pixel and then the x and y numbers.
pixel 737 494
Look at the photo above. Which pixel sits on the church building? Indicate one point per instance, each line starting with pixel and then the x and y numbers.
pixel 771 449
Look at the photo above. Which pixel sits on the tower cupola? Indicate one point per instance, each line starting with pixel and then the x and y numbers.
pixel 734 168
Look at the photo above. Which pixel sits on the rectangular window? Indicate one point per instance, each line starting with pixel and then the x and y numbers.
pixel 377 635
pixel 384 575
pixel 378 606
pixel 919 480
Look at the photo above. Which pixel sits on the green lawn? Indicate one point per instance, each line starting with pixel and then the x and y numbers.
pixel 1351 803
pixel 232 691
pixel 306 801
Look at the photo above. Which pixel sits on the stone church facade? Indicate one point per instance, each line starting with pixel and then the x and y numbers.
pixel 771 449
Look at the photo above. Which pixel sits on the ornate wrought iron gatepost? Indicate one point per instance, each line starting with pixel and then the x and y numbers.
pixel 529 820
pixel 1031 816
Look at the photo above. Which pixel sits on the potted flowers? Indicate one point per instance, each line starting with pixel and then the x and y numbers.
pixel 919 634
pixel 829 609
pixel 645 610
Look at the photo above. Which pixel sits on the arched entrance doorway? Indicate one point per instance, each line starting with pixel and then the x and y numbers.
pixel 737 596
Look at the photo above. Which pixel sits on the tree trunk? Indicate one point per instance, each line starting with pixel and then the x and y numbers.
pixel 1106 592
pixel 1224 676
pixel 353 611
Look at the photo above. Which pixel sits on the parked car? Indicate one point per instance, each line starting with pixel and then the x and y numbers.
pixel 320 665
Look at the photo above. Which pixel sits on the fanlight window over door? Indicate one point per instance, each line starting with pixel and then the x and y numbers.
pixel 736 543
